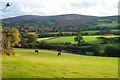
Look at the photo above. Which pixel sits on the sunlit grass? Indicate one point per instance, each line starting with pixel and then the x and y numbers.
pixel 27 64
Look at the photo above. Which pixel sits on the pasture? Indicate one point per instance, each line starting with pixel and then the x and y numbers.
pixel 89 39
pixel 27 64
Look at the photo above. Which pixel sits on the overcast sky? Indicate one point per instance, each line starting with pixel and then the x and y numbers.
pixel 58 7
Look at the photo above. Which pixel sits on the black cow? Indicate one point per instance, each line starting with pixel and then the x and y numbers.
pixel 36 51
pixel 59 53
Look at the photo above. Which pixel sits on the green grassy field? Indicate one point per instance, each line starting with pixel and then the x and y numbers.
pixel 111 25
pixel 27 64
pixel 89 39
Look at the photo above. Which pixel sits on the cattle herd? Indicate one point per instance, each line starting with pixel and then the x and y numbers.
pixel 58 54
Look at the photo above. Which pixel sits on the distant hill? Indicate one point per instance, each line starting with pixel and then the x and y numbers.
pixel 60 19
pixel 66 19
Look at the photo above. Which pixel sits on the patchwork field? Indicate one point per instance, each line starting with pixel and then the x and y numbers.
pixel 27 64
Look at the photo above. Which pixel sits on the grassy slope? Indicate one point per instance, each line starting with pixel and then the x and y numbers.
pixel 26 64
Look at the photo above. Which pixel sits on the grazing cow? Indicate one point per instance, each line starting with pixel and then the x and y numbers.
pixel 59 53
pixel 36 51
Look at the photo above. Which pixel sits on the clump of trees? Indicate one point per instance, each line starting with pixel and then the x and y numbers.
pixel 31 38
pixel 96 48
pixel 112 51
pixel 79 39
pixel 10 39
pixel 105 30
pixel 30 41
